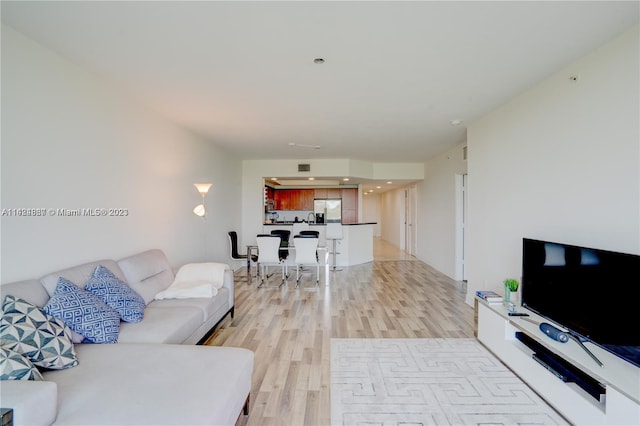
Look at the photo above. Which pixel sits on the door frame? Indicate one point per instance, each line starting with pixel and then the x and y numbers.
pixel 462 232
pixel 410 215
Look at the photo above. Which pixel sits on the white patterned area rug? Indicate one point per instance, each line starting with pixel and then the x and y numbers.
pixel 428 382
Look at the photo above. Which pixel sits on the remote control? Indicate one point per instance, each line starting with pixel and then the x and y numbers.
pixel 518 314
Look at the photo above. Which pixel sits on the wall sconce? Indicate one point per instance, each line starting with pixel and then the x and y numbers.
pixel 203 189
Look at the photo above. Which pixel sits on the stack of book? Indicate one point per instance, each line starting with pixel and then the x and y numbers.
pixel 489 296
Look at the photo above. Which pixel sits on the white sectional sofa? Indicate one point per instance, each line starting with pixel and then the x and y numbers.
pixel 154 375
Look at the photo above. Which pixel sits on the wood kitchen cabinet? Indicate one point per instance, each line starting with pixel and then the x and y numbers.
pixel 334 193
pixel 302 199
pixel 281 199
pixel 349 199
pixel 320 193
pixel 293 199
pixel 306 199
pixel 349 205
pixel 349 216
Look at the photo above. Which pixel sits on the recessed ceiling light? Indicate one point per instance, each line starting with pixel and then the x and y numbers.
pixel 345 179
pixel 378 187
pixel 389 183
pixel 455 122
pixel 312 178
pixel 318 61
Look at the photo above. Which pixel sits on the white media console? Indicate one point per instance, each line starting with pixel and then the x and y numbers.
pixel 619 380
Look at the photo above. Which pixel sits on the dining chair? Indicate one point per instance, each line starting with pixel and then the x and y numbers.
pixel 284 246
pixel 233 246
pixel 306 247
pixel 308 232
pixel 284 241
pixel 296 228
pixel 268 255
pixel 315 234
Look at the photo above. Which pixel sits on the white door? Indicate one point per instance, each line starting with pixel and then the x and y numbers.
pixel 462 233
pixel 409 220
pixel 465 233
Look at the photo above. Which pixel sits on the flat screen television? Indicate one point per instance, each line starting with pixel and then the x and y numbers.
pixel 595 294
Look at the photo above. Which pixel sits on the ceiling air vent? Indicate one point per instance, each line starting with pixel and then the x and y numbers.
pixel 464 153
pixel 304 167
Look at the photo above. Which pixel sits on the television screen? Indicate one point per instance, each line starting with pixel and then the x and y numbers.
pixel 592 293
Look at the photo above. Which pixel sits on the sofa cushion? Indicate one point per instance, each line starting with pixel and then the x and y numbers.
pixel 34 403
pixel 117 294
pixel 79 274
pixel 165 385
pixel 15 366
pixel 206 305
pixel 148 273
pixel 30 290
pixel 84 313
pixel 27 329
pixel 162 325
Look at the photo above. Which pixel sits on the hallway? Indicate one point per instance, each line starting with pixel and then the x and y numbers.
pixel 385 251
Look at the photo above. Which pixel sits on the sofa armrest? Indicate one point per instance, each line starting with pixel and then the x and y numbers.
pixel 228 283
pixel 33 402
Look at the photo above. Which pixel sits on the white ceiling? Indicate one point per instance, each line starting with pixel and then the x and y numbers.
pixel 395 73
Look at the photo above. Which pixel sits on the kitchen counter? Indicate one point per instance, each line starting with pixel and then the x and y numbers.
pixel 355 247
pixel 319 224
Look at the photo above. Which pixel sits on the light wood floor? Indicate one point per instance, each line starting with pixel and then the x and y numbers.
pixel 290 329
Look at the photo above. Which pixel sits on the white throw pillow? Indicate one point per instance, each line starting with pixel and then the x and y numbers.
pixel 208 272
pixel 187 290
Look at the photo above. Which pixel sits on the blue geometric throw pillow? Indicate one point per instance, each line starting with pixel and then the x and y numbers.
pixel 117 294
pixel 84 313
pixel 14 366
pixel 42 338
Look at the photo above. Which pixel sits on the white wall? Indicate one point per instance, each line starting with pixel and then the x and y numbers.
pixel 392 217
pixel 437 210
pixel 560 162
pixel 70 140
pixel 370 212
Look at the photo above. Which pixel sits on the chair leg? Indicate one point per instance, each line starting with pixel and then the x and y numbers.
pixel 281 281
pixel 300 275
pixel 261 271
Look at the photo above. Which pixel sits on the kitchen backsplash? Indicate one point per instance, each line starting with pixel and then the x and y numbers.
pixel 289 216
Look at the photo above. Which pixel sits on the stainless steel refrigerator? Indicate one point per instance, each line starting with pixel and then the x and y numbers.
pixel 329 209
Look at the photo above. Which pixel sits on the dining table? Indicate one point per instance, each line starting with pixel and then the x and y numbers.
pixel 251 248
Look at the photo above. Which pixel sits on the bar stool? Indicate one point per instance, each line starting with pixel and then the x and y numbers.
pixel 334 232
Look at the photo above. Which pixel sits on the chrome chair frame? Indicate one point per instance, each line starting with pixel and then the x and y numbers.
pixel 334 232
